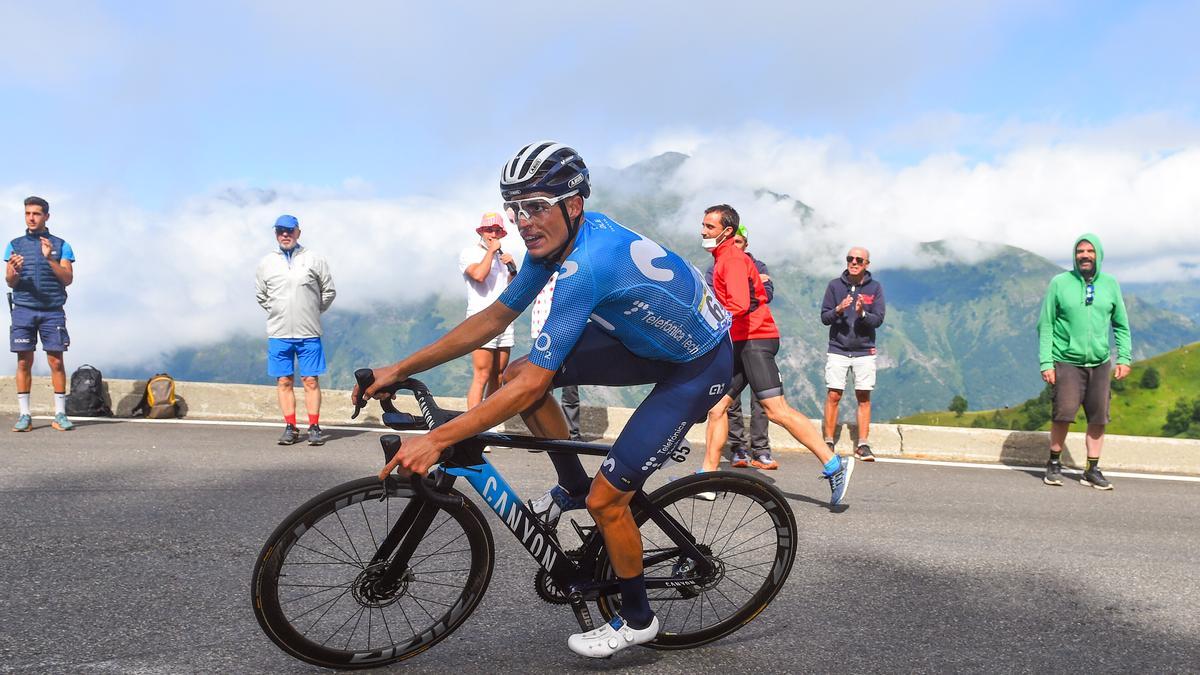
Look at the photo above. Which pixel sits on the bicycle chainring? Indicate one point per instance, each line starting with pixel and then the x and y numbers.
pixel 546 587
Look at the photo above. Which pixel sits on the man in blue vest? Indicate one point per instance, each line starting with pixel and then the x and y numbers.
pixel 39 269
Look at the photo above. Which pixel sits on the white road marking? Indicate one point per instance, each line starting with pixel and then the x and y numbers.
pixel 882 460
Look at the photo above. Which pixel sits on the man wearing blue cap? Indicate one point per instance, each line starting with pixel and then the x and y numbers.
pixel 295 287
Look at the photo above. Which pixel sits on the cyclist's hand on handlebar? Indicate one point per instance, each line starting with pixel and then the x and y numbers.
pixel 384 376
pixel 416 455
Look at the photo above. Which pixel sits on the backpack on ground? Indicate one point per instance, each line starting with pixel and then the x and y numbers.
pixel 159 400
pixel 87 394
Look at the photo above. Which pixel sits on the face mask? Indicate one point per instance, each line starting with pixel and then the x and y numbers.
pixel 708 244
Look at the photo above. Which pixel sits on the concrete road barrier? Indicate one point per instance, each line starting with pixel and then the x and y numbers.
pixel 246 402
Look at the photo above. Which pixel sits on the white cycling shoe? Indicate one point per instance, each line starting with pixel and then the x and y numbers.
pixel 611 638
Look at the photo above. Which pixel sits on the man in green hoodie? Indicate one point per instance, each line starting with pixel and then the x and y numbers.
pixel 1080 308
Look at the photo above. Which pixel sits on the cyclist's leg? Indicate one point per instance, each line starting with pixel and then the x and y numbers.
pixel 653 432
pixel 545 419
pixel 597 358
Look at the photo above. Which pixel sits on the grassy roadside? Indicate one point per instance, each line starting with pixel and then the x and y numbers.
pixel 1137 409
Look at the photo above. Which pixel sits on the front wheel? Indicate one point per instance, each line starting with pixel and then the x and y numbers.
pixel 318 596
pixel 746 530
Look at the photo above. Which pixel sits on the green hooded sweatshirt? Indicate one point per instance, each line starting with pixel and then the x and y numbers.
pixel 1072 331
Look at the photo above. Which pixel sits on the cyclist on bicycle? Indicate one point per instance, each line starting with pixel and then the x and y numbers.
pixel 626 311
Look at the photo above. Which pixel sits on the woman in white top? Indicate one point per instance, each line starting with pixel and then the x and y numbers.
pixel 487 271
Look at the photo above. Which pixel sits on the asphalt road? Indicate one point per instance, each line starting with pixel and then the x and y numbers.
pixel 128 548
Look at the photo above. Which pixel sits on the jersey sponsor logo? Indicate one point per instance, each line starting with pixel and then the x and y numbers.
pixel 609 464
pixel 644 252
pixel 640 312
pixel 568 268
pixel 542 343
pixel 716 389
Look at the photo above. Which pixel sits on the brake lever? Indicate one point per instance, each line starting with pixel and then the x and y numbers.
pixel 365 377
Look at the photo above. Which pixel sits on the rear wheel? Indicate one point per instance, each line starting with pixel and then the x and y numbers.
pixel 747 531
pixel 319 598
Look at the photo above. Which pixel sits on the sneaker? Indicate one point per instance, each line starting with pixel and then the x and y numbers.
pixel 611 638
pixel 24 423
pixel 290 435
pixel 839 481
pixel 740 459
pixel 863 453
pixel 62 423
pixel 705 496
pixel 315 435
pixel 1096 479
pixel 764 461
pixel 1053 473
pixel 550 506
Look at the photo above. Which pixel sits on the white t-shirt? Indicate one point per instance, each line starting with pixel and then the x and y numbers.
pixel 480 295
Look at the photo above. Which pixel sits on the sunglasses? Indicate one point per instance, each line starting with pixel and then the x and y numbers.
pixel 533 207
pixel 1090 294
pixel 280 231
pixel 856 259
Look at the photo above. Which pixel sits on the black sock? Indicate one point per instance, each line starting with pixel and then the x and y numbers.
pixel 635 605
pixel 1092 462
pixel 1056 456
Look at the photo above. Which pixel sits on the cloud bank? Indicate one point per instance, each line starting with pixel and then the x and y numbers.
pixel 150 281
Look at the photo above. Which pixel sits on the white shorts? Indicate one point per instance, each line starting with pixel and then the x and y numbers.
pixel 502 340
pixel 836 366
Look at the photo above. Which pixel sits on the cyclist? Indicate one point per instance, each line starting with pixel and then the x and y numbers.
pixel 626 311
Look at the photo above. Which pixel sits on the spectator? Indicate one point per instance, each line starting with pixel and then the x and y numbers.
pixel 39 268
pixel 295 287
pixel 853 308
pixel 756 449
pixel 1080 308
pixel 570 393
pixel 738 286
pixel 487 271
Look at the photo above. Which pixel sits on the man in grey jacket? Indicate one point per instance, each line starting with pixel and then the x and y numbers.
pixel 294 287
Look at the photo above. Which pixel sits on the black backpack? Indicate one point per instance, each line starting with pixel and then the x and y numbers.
pixel 87 394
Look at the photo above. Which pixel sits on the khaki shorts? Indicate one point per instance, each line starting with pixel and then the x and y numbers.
pixel 836 366
pixel 1077 385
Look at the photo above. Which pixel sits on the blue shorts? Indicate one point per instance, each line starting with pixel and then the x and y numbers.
pixel 682 395
pixel 28 324
pixel 282 351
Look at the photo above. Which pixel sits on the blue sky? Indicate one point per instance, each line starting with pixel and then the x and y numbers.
pixel 159 103
pixel 184 129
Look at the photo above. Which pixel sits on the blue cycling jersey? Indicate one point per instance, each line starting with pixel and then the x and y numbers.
pixel 648 298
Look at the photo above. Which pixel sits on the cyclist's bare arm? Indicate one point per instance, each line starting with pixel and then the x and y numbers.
pixel 462 339
pixel 519 393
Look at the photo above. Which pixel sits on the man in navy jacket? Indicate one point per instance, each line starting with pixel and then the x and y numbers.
pixel 853 308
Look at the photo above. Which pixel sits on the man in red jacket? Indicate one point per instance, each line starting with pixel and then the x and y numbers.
pixel 739 289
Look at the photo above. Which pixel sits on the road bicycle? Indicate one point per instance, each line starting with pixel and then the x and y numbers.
pixel 372 572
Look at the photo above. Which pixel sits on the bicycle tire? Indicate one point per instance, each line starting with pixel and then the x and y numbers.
pixel 748 530
pixel 316 563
